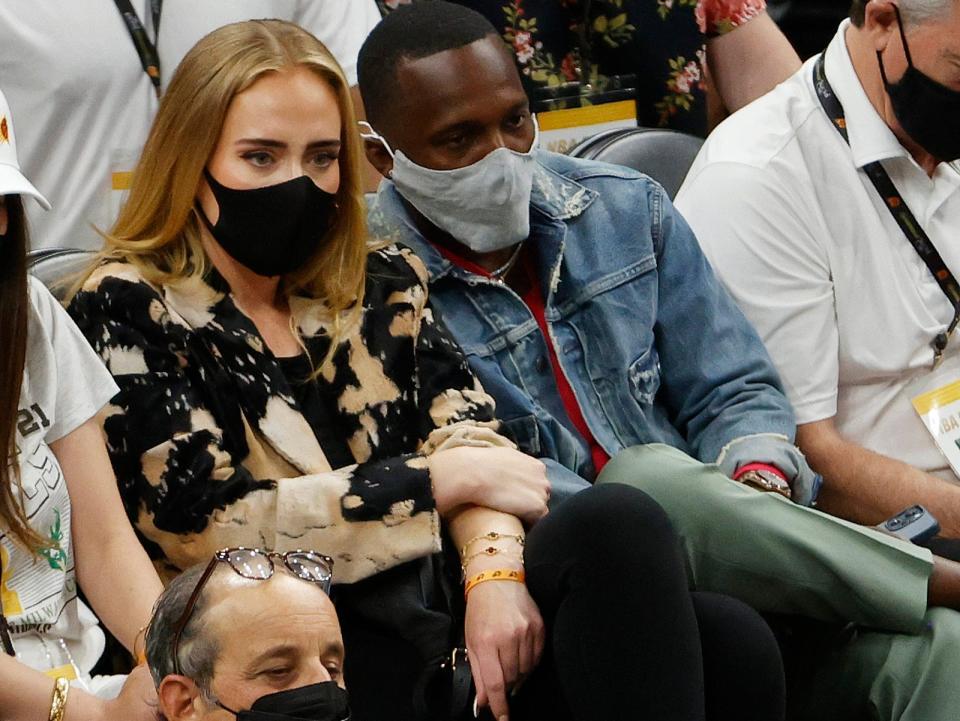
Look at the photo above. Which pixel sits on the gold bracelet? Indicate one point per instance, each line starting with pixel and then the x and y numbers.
pixel 489 551
pixel 492 536
pixel 141 655
pixel 496 574
pixel 58 702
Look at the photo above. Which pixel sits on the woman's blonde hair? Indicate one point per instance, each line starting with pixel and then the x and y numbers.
pixel 158 230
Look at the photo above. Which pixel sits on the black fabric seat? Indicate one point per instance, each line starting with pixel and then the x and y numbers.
pixel 664 155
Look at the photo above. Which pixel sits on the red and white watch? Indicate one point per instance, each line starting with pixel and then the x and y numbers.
pixel 763 477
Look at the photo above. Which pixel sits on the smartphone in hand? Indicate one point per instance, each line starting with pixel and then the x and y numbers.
pixel 915 524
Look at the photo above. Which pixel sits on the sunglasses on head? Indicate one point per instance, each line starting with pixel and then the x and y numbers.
pixel 258 565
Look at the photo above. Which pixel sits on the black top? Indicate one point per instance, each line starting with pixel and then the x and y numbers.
pixel 319 408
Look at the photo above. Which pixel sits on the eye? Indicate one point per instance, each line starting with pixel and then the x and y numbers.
pixel 325 159
pixel 334 670
pixel 259 158
pixel 457 140
pixel 517 121
pixel 277 672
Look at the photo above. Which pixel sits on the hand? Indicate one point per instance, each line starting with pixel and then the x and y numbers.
pixel 502 479
pixel 773 450
pixel 505 638
pixel 137 700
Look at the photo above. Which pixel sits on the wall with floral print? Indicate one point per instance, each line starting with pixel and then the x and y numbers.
pixel 561 41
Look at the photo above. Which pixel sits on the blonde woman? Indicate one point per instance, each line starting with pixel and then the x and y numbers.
pixel 61 520
pixel 284 385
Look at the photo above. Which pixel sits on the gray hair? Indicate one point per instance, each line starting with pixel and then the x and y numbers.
pixel 914 12
pixel 198 651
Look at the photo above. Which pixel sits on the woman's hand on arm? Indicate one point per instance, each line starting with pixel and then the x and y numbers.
pixel 25 695
pixel 112 567
pixel 499 478
pixel 503 628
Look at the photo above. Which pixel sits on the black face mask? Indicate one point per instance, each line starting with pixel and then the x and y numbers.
pixel 273 230
pixel 927 110
pixel 318 702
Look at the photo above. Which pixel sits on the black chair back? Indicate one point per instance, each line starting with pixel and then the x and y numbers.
pixel 664 155
pixel 54 267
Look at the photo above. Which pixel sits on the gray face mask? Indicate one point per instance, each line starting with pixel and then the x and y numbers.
pixel 485 206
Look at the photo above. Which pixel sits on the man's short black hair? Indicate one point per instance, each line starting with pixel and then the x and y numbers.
pixel 857 10
pixel 411 32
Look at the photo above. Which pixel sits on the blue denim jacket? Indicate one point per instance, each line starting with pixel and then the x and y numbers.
pixel 653 347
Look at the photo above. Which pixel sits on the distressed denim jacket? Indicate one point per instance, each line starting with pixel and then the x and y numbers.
pixel 653 347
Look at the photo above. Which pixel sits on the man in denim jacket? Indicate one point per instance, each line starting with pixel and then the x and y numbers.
pixel 586 308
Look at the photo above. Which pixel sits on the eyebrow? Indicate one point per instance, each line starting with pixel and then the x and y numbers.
pixel 283 649
pixel 268 143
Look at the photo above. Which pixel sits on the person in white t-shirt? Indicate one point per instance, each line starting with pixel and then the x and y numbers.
pixel 73 77
pixel 341 25
pixel 76 81
pixel 786 210
pixel 62 525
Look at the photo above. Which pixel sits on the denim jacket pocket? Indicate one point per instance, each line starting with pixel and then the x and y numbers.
pixel 643 377
pixel 523 431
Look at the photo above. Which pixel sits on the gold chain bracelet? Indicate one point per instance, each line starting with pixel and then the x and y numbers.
pixel 489 552
pixel 493 536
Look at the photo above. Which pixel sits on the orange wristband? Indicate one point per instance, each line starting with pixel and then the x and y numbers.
pixel 495 574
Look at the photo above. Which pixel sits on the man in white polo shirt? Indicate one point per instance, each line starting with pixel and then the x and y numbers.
pixel 800 202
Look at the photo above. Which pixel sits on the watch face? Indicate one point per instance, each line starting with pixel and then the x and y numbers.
pixel 766 481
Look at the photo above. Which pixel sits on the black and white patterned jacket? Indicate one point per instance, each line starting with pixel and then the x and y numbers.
pixel 211 450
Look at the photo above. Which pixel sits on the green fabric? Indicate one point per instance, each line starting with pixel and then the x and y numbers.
pixel 781 558
pixel 887 676
pixel 775 555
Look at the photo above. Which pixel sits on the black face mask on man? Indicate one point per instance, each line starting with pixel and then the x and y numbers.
pixel 317 702
pixel 927 110
pixel 273 230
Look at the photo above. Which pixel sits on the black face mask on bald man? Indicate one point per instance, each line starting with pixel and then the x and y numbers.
pixel 317 702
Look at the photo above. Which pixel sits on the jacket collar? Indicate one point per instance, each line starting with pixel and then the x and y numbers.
pixel 554 198
pixel 231 338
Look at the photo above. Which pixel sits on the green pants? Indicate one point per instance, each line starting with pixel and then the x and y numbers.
pixel 904 662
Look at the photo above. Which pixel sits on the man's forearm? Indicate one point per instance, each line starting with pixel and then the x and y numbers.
pixel 867 487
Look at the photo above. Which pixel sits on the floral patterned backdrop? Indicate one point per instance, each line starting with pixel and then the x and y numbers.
pixel 557 41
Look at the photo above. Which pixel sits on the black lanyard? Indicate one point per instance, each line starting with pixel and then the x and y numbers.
pixel 146 48
pixel 898 209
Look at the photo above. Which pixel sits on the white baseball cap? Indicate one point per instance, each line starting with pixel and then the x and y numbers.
pixel 12 181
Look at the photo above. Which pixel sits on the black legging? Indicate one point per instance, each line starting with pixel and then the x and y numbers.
pixel 626 639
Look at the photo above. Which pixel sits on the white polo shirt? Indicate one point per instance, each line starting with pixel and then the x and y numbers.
pixel 802 240
pixel 341 25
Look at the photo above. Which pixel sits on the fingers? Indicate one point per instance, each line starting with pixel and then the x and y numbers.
pixel 527 653
pixel 493 683
pixel 481 699
pixel 539 642
pixel 511 652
